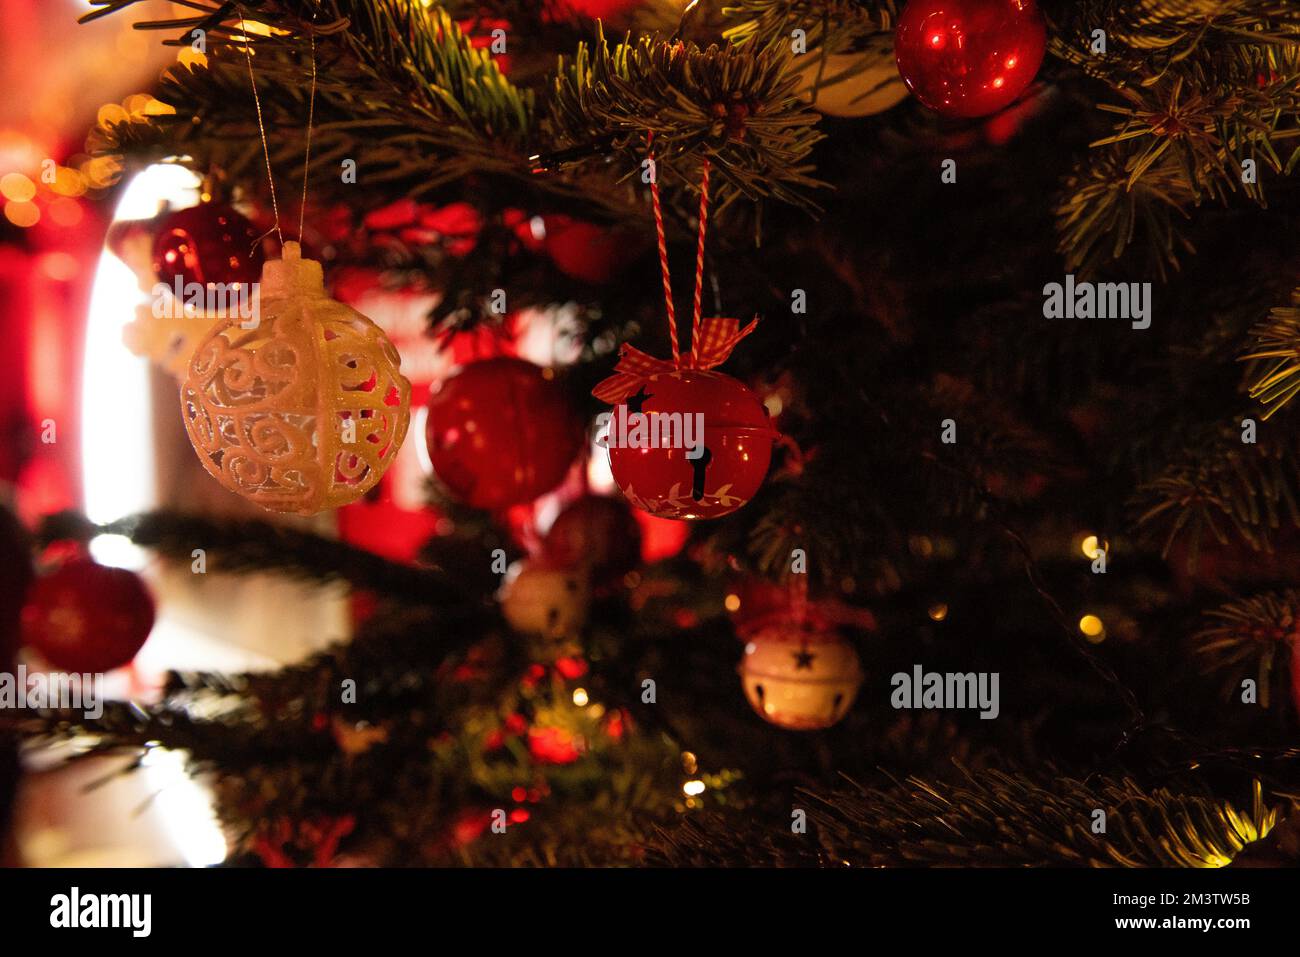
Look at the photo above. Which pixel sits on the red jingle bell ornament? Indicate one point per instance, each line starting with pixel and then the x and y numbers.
pixel 501 433
pixel 967 58
pixel 685 441
pixel 87 617
pixel 721 459
pixel 207 244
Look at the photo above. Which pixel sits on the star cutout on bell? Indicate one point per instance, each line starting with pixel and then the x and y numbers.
pixel 803 659
pixel 635 402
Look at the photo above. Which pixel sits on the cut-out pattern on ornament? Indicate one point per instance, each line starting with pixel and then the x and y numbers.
pixel 683 504
pixel 700 466
pixel 304 412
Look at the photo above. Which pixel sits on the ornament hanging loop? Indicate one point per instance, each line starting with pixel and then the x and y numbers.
pixel 261 129
pixel 693 361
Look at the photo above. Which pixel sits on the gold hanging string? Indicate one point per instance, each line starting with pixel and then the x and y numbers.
pixel 261 128
pixel 311 115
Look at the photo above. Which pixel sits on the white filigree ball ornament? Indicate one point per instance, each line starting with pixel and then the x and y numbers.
pixel 300 407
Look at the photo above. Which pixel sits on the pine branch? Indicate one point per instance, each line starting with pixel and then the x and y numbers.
pixel 250 546
pixel 1148 38
pixel 1223 489
pixel 404 93
pixel 1277 340
pixel 1206 87
pixel 1246 638
pixel 827 24
pixel 736 107
pixel 400 90
pixel 990 819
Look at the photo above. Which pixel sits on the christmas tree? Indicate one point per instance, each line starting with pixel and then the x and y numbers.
pixel 995 509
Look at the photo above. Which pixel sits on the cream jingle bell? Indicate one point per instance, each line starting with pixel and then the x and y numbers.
pixel 799 677
pixel 542 599
pixel 301 407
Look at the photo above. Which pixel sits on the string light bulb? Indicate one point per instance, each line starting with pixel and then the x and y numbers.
pixel 1092 546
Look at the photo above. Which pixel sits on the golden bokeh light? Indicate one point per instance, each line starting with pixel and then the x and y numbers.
pixel 17 187
pixel 1092 628
pixel 22 215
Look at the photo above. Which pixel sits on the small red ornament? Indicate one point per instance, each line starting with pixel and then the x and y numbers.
pixel 554 745
pixel 588 252
pixel 965 58
pixel 732 459
pixel 598 533
pixel 208 243
pixel 500 433
pixel 88 617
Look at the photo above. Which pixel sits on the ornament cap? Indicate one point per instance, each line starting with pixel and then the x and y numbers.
pixel 292 275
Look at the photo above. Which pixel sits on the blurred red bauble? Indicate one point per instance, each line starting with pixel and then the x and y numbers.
pixel 587 252
pixel 737 440
pixel 208 243
pixel 87 617
pixel 596 9
pixel 597 533
pixel 753 603
pixel 553 746
pixel 499 433
pixel 965 58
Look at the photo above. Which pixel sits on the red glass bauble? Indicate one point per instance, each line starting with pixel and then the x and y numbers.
pixel 500 433
pixel 208 243
pixel 87 617
pixel 967 58
pixel 598 533
pixel 737 446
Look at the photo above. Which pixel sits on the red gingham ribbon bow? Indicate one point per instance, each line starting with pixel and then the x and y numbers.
pixel 712 344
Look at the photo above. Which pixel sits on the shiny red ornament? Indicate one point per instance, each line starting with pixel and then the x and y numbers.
pixel 87 617
pixel 500 433
pixel 208 243
pixel 737 445
pixel 966 58
pixel 597 533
